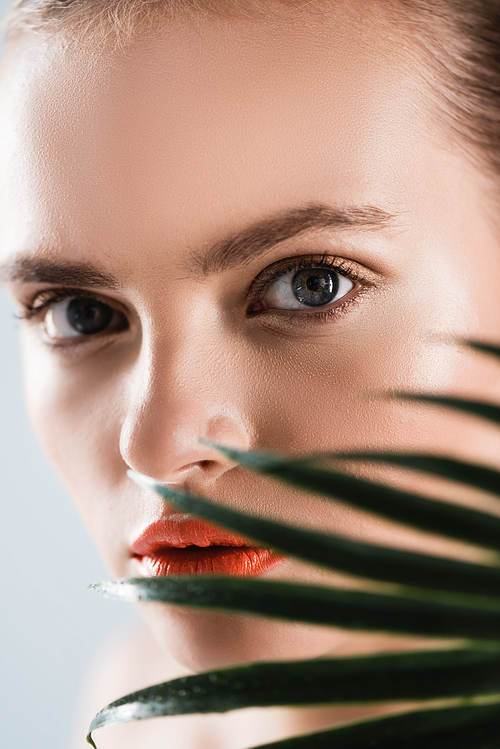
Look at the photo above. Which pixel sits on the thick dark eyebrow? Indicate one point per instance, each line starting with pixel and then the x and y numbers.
pixel 236 250
pixel 244 246
pixel 23 269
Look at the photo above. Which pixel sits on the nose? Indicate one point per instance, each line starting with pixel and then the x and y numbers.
pixel 172 402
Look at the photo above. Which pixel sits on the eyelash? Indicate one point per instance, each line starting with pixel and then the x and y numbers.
pixel 342 266
pixel 45 299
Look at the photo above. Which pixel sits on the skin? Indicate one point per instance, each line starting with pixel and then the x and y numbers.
pixel 134 159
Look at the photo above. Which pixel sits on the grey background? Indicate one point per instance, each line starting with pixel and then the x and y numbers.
pixel 49 624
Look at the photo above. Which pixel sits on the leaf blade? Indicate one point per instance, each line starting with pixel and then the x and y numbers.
pixel 482 409
pixel 450 728
pixel 408 676
pixel 485 348
pixel 313 604
pixel 471 474
pixel 338 553
pixel 431 515
pixel 410 727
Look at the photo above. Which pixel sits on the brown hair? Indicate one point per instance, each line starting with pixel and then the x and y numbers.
pixel 457 44
pixel 125 16
pixel 460 41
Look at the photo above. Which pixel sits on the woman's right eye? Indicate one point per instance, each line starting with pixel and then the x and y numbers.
pixel 85 316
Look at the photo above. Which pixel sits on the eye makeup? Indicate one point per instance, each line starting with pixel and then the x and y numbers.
pixel 66 312
pixel 74 315
pixel 360 280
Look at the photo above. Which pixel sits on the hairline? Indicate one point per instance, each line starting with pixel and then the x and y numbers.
pixel 120 21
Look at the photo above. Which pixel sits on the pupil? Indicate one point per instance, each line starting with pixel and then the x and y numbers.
pixel 88 316
pixel 315 287
pixel 315 283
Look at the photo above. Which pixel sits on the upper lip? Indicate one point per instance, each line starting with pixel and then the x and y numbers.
pixel 180 533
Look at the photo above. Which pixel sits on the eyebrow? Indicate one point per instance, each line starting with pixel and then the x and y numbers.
pixel 238 249
pixel 244 246
pixel 23 269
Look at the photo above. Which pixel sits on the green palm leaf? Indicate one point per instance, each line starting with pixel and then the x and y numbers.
pixel 338 553
pixel 453 728
pixel 314 604
pixel 411 509
pixel 476 476
pixel 411 593
pixel 485 348
pixel 476 408
pixel 401 677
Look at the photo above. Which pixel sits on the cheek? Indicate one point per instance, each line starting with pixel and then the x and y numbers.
pixel 77 418
pixel 77 428
pixel 331 391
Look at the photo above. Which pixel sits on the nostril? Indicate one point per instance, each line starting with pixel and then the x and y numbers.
pixel 207 466
pixel 206 463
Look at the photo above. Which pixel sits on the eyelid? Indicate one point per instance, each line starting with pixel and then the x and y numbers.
pixel 49 297
pixel 44 301
pixel 345 267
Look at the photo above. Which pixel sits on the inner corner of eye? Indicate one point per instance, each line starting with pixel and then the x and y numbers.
pixel 256 307
pixel 49 324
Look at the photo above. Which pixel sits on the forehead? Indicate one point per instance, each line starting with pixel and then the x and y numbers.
pixel 205 125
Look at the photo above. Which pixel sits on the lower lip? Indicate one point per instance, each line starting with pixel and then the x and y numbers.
pixel 241 561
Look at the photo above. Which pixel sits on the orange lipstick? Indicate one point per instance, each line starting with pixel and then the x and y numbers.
pixel 194 547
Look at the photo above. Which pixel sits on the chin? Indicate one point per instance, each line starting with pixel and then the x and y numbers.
pixel 201 641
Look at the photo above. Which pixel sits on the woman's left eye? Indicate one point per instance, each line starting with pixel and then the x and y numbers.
pixel 82 316
pixel 308 288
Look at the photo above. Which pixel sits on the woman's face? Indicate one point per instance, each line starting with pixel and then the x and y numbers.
pixel 276 230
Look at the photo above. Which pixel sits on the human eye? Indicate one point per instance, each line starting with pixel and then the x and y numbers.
pixel 307 284
pixel 72 315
